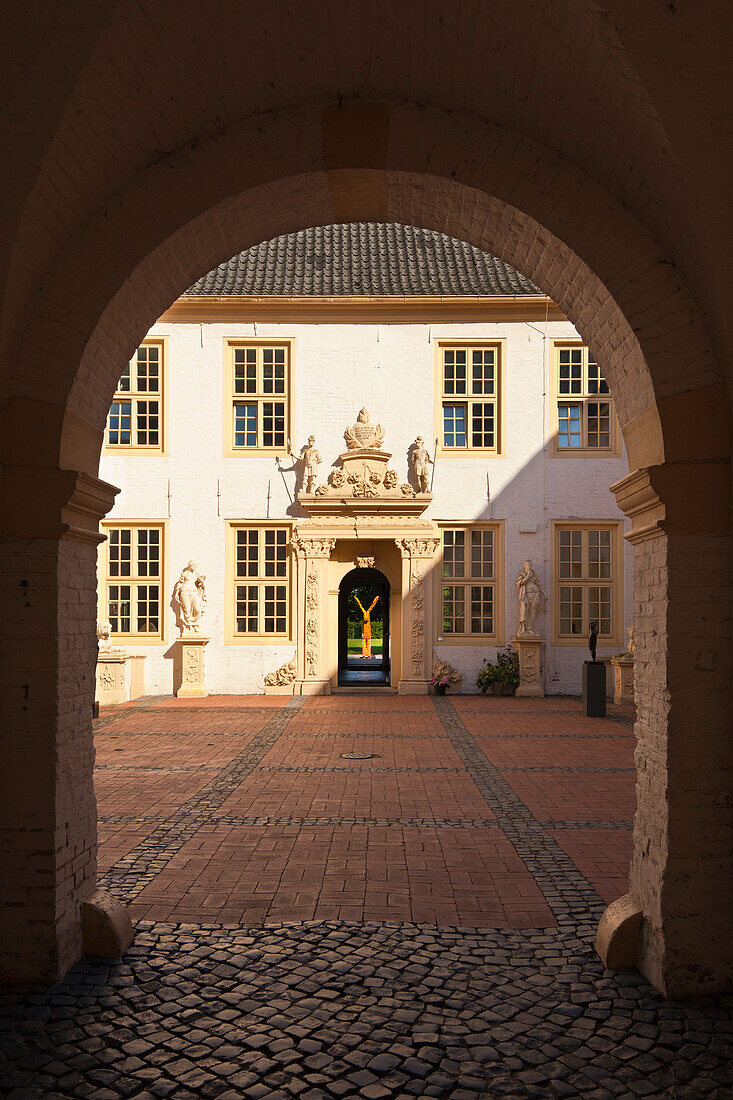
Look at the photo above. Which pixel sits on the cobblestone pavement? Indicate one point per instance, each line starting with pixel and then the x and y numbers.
pixel 309 924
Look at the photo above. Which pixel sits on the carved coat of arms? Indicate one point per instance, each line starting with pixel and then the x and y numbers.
pixel 364 434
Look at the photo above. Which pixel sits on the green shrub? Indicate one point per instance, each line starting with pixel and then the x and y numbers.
pixel 505 670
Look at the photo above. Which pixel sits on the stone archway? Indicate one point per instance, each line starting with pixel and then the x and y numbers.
pixel 402 163
pixel 369 665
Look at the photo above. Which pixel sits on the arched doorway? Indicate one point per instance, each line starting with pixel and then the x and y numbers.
pixel 364 629
pixel 629 297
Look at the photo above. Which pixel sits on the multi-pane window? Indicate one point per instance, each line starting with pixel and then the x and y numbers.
pixel 469 582
pixel 585 581
pixel 260 385
pixel 133 581
pixel 261 582
pixel 470 397
pixel 585 416
pixel 135 417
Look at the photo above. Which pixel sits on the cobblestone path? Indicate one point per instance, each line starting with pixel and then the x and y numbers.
pixel 362 897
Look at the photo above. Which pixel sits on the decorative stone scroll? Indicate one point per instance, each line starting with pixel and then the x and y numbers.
pixel 442 670
pixel 364 563
pixel 281 681
pixel 418 547
pixel 364 482
pixel 364 435
pixel 312 548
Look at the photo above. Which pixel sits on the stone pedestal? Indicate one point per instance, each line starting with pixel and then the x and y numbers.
pixel 594 689
pixel 623 678
pixel 189 680
pixel 529 648
pixel 111 686
pixel 136 667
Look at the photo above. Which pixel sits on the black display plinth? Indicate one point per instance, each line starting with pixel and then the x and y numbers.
pixel 594 689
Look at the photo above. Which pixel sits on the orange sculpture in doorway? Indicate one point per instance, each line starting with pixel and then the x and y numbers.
pixel 366 639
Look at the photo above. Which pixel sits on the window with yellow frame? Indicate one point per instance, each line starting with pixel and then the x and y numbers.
pixel 469 384
pixel 585 416
pixel 136 415
pixel 260 584
pixel 258 395
pixel 587 582
pixel 131 591
pixel 469 588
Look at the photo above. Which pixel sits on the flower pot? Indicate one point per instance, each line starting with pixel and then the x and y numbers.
pixel 440 689
pixel 497 688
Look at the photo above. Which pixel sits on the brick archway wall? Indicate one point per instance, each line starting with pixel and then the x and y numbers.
pixel 397 162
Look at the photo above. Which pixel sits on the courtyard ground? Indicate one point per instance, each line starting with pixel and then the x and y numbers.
pixel 362 896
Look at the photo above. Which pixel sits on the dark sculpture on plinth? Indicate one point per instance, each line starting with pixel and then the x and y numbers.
pixel 593 640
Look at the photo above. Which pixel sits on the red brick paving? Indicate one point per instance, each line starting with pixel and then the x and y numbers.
pixel 144 792
pixel 576 797
pixel 351 794
pixel 542 725
pixel 157 749
pixel 408 752
pixel 244 874
pixel 115 841
pixel 574 752
pixel 164 720
pixel 449 875
pixel 603 855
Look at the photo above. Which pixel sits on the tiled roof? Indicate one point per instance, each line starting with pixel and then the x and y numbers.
pixel 364 258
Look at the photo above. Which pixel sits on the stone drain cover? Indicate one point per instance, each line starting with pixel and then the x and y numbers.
pixel 359 755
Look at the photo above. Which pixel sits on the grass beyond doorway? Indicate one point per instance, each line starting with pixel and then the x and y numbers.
pixel 354 647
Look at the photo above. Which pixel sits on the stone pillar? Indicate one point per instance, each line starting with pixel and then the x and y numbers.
pixel 48 833
pixel 417 613
pixel 529 649
pixel 312 641
pixel 682 871
pixel 111 686
pixel 189 671
pixel 136 669
pixel 623 678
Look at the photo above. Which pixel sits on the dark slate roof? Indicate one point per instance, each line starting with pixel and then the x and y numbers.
pixel 364 258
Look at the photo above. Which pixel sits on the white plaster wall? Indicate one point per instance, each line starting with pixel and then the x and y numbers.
pixel 337 368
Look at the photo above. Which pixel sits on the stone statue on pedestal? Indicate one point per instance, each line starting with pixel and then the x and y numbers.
pixel 421 460
pixel 311 459
pixel 532 599
pixel 190 595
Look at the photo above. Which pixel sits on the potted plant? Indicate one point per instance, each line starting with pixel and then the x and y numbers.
pixel 440 684
pixel 486 680
pixel 507 665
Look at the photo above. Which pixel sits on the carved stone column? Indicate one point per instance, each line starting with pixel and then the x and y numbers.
pixel 529 649
pixel 312 648
pixel 417 613
pixel 189 675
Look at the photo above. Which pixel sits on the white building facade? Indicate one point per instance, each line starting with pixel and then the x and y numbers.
pixel 293 339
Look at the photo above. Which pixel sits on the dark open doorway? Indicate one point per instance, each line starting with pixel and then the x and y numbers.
pixel 364 629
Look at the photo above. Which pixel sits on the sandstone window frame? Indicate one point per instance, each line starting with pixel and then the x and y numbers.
pixel 583 398
pixel 495 581
pixel 238 393
pixel 136 397
pixel 447 399
pixel 587 580
pixel 136 581
pixel 260 581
